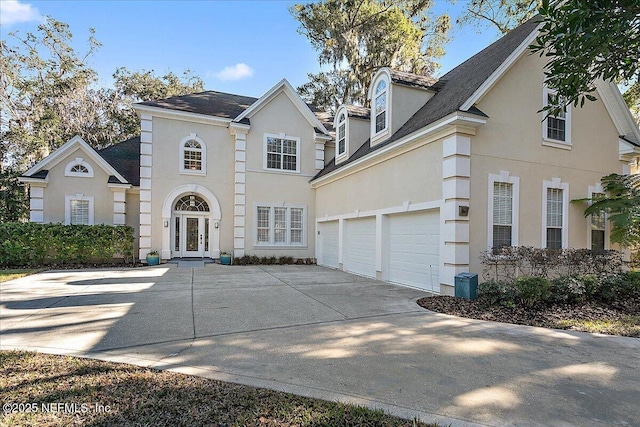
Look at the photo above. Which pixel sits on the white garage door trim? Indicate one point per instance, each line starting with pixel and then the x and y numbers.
pixel 360 246
pixel 414 250
pixel 328 244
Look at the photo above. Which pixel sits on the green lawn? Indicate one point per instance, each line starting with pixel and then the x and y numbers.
pixel 83 392
pixel 10 274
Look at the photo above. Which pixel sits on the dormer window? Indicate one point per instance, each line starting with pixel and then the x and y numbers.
pixel 380 106
pixel 193 155
pixel 78 167
pixel 342 134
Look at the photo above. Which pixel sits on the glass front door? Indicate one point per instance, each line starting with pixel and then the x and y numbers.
pixel 193 237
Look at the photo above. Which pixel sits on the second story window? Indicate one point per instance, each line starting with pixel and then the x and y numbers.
pixel 342 134
pixel 282 153
pixel 192 155
pixel 556 127
pixel 380 106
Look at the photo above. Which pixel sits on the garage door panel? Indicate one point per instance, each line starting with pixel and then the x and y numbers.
pixel 414 248
pixel 360 246
pixel 329 244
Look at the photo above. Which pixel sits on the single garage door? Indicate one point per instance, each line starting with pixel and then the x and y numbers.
pixel 359 255
pixel 328 243
pixel 414 248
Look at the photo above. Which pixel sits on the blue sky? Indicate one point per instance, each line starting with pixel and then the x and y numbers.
pixel 242 47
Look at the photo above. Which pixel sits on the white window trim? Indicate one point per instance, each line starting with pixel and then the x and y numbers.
pixel 566 144
pixel 184 140
pixel 505 177
pixel 271 243
pixel 598 189
pixel 564 186
pixel 280 136
pixel 377 136
pixel 343 155
pixel 67 207
pixel 75 162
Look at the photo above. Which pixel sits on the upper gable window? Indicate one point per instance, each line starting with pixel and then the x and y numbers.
pixel 193 155
pixel 556 129
pixel 78 167
pixel 342 134
pixel 282 153
pixel 380 106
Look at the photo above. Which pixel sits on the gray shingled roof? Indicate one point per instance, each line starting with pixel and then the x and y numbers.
pixel 210 103
pixel 453 90
pixel 358 111
pixel 125 158
pixel 412 80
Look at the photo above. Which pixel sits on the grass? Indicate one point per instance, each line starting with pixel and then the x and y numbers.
pixel 106 394
pixel 10 274
pixel 625 326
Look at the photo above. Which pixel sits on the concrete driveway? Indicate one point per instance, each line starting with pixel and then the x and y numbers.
pixel 323 333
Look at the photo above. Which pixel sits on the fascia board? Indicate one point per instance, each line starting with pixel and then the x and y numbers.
pixel 181 115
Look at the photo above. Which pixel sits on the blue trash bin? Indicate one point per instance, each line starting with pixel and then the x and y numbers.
pixel 466 285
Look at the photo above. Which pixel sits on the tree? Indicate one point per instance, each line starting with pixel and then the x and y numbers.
pixel 355 38
pixel 585 41
pixel 622 205
pixel 14 205
pixel 505 15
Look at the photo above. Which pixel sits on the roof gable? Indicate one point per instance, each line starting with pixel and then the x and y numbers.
pixel 283 86
pixel 68 147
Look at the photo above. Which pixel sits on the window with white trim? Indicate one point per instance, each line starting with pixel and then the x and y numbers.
pixel 502 214
pixel 79 168
pixel 555 218
pixel 503 210
pixel 555 214
pixel 380 106
pixel 342 134
pixel 597 224
pixel 193 156
pixel 280 225
pixel 78 210
pixel 556 128
pixel 282 153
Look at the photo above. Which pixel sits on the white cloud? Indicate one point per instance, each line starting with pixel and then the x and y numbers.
pixel 13 12
pixel 234 72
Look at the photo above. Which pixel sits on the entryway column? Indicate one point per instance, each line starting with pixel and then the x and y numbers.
pixel 146 152
pixel 239 198
pixel 456 172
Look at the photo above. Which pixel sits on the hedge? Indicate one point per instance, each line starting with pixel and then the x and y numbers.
pixel 29 244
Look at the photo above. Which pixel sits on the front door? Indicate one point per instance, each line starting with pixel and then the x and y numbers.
pixel 193 237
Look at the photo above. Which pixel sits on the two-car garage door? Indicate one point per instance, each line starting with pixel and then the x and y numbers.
pixel 410 248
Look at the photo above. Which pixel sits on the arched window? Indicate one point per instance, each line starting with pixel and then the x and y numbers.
pixel 380 106
pixel 192 203
pixel 78 167
pixel 342 134
pixel 192 155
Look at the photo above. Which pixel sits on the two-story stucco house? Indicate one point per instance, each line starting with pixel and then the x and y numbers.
pixel 409 191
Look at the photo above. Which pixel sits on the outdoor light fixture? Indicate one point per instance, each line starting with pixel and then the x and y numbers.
pixel 166 223
pixel 192 200
pixel 216 224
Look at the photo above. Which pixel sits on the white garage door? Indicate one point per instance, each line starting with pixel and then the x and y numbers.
pixel 328 244
pixel 360 246
pixel 414 248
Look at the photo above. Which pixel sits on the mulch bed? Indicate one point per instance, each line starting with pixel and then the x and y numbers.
pixel 557 316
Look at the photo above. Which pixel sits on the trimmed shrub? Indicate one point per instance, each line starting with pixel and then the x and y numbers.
pixel 496 293
pixel 573 289
pixel 29 244
pixel 531 291
pixel 619 286
pixel 271 260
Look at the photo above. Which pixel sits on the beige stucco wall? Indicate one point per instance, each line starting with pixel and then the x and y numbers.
pixel 512 141
pixel 262 186
pixel 60 186
pixel 415 176
pixel 405 101
pixel 166 176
